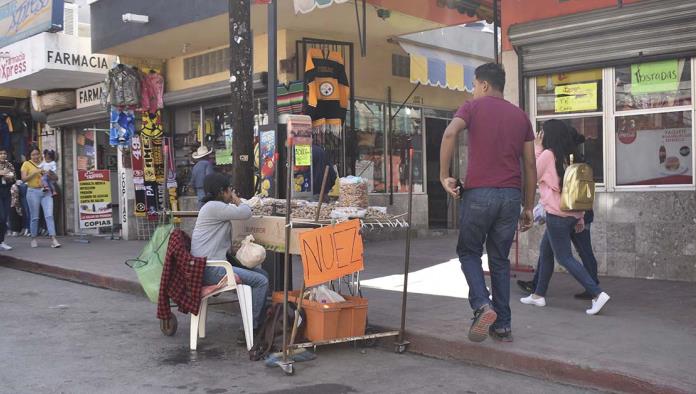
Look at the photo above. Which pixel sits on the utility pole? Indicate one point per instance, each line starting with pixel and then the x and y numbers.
pixel 241 85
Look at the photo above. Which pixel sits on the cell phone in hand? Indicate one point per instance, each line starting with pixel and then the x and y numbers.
pixel 459 187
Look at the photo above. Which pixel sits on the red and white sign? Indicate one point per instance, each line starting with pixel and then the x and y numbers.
pixel 95 198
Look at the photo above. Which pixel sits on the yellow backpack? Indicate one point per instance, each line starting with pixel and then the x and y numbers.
pixel 578 191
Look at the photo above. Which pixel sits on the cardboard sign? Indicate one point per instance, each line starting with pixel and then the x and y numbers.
pixel 303 155
pixel 576 97
pixel 94 197
pixel 655 77
pixel 331 252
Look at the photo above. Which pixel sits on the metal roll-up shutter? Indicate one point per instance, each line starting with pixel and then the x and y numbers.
pixel 644 31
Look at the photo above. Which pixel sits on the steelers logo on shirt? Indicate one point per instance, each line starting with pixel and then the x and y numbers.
pixel 326 89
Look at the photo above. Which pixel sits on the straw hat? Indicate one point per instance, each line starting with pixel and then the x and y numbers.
pixel 202 152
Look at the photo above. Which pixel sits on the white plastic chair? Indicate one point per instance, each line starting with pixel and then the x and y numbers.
pixel 244 296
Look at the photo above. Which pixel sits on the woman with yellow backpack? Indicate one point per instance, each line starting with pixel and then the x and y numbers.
pixel 554 145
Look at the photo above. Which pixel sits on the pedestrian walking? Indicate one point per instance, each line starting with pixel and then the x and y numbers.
pixel 7 179
pixel 38 198
pixel 582 242
pixel 500 137
pixel 200 170
pixel 553 147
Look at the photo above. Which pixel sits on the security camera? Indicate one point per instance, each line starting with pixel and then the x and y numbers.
pixel 135 18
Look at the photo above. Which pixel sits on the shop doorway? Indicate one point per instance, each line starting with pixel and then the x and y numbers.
pixel 438 210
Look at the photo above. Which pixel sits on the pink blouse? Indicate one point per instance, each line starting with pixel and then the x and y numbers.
pixel 548 180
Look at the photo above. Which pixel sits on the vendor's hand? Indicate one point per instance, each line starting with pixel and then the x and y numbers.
pixel 450 186
pixel 526 220
pixel 235 198
pixel 579 227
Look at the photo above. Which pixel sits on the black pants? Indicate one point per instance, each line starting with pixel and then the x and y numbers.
pixel 5 200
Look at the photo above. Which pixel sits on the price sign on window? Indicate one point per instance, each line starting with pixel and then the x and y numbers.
pixel 576 97
pixel 303 155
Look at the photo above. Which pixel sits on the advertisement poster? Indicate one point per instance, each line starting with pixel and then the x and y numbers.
pixel 655 77
pixel 267 150
pixel 94 198
pixel 654 157
pixel 22 18
pixel 300 134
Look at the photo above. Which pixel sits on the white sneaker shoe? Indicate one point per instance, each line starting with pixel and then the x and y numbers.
pixel 55 243
pixel 529 300
pixel 34 244
pixel 598 303
pixel 5 246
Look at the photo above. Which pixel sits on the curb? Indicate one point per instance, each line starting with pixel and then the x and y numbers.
pixel 536 367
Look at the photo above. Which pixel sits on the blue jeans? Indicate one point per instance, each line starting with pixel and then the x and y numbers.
pixel 257 278
pixel 488 216
pixel 583 245
pixel 200 193
pixel 38 199
pixel 556 241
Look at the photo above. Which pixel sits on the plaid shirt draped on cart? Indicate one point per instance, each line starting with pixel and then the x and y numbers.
pixel 182 277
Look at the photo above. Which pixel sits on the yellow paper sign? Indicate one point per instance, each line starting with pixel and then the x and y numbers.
pixel 576 97
pixel 303 155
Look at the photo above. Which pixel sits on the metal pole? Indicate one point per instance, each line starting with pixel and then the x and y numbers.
pixel 272 96
pixel 496 24
pixel 407 257
pixel 391 144
pixel 286 267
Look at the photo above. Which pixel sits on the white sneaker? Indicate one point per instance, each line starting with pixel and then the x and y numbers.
pixel 529 300
pixel 55 243
pixel 34 244
pixel 5 246
pixel 598 304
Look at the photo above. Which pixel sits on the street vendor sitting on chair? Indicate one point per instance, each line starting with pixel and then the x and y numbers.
pixel 212 238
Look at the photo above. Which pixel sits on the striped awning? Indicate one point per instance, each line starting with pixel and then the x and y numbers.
pixel 305 6
pixel 437 72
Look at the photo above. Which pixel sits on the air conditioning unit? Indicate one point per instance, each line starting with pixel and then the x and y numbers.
pixel 70 23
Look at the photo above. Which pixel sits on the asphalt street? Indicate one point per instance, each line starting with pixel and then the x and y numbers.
pixel 61 337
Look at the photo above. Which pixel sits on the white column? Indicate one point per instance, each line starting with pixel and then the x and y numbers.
pixel 125 201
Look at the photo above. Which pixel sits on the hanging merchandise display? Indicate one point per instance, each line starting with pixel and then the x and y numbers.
pixel 122 127
pixel 5 129
pixel 168 152
pixel 328 90
pixel 152 92
pixel 122 87
pixel 138 176
pixel 291 98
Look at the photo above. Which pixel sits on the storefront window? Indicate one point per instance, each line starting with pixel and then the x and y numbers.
pixel 654 149
pixel 369 128
pixel 661 84
pixel 407 132
pixel 592 150
pixel 566 93
pixel 86 152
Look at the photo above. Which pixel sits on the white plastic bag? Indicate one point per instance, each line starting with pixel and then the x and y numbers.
pixel 324 295
pixel 251 254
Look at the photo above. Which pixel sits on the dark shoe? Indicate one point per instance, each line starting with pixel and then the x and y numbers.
pixel 584 296
pixel 501 334
pixel 484 317
pixel 527 287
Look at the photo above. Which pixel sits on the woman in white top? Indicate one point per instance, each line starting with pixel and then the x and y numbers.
pixel 212 238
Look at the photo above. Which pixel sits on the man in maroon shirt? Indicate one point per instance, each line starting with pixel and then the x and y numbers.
pixel 500 137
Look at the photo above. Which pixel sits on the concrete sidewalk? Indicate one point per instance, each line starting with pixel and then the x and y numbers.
pixel 645 340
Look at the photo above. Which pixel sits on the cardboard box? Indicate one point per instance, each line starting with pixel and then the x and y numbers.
pixel 269 232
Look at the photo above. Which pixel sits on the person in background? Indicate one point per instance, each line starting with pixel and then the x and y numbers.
pixel 500 140
pixel 49 166
pixel 582 242
pixel 38 198
pixel 7 179
pixel 212 238
pixel 553 146
pixel 200 171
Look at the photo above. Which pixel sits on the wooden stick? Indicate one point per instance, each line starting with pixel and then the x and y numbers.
pixel 295 325
pixel 321 194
